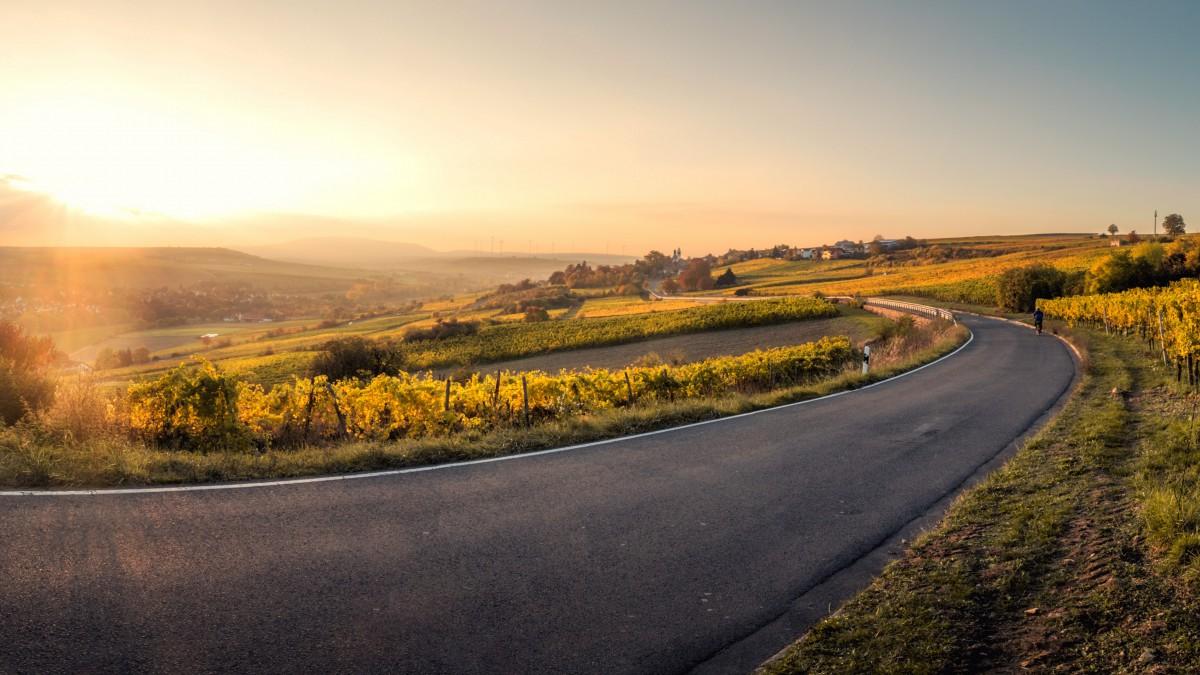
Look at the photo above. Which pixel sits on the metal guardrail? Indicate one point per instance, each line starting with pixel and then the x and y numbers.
pixel 912 307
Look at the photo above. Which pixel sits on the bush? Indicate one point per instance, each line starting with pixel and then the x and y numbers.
pixel 442 329
pixel 1018 289
pixel 727 279
pixel 79 411
pixel 354 357
pixel 536 314
pixel 25 386
pixel 22 392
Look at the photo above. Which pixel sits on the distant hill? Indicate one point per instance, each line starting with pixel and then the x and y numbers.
pixel 342 251
pixel 477 266
pixel 152 267
pixel 359 252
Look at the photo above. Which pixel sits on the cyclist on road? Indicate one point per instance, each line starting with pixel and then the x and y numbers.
pixel 1038 316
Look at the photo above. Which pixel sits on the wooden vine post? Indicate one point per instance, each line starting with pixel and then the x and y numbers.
pixel 496 400
pixel 312 394
pixel 1162 342
pixel 525 398
pixel 446 403
pixel 337 409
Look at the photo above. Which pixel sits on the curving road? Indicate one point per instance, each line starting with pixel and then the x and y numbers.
pixel 650 554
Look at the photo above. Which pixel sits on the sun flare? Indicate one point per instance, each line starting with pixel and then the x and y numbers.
pixel 115 157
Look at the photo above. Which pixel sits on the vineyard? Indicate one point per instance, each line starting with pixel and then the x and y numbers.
pixel 514 340
pixel 202 408
pixel 966 281
pixel 1166 318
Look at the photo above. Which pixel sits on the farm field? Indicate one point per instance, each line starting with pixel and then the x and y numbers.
pixel 967 279
pixel 513 340
pixel 624 305
pixel 265 352
pixel 256 352
pixel 269 353
pixel 856 324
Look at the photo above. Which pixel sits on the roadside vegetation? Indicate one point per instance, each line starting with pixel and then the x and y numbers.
pixel 200 424
pixel 1082 553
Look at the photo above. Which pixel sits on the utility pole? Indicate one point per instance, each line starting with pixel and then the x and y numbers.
pixel 1156 223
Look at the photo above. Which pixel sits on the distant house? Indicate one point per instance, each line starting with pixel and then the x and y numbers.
pixel 77 367
pixel 832 253
pixel 847 247
pixel 887 244
pixel 1116 242
pixel 808 253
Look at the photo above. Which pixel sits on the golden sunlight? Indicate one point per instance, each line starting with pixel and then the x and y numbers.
pixel 119 157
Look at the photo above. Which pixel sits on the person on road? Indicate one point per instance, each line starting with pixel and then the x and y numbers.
pixel 1038 316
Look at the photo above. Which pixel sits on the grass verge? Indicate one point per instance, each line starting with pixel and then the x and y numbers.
pixel 1078 555
pixel 30 459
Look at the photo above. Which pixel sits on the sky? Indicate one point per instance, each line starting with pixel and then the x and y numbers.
pixel 620 126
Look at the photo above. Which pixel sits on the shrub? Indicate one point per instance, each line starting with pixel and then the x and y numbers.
pixel 1018 289
pixel 24 384
pixel 354 357
pixel 536 314
pixel 442 329
pixel 727 279
pixel 79 411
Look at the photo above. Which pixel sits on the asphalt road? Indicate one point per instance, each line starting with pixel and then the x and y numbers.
pixel 646 555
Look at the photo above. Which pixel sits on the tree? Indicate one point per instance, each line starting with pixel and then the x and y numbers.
pixel 727 279
pixel 697 276
pixel 1018 289
pixel 670 286
pixel 1174 225
pixel 1117 272
pixel 1133 237
pixel 1113 229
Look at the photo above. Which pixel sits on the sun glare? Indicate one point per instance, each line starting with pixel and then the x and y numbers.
pixel 117 158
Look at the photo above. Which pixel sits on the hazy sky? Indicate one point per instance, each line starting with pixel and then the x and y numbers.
pixel 592 124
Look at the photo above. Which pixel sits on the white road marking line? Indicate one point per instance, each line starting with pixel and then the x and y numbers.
pixel 454 465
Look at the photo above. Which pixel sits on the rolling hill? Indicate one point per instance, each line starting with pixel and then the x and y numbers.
pixel 64 268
